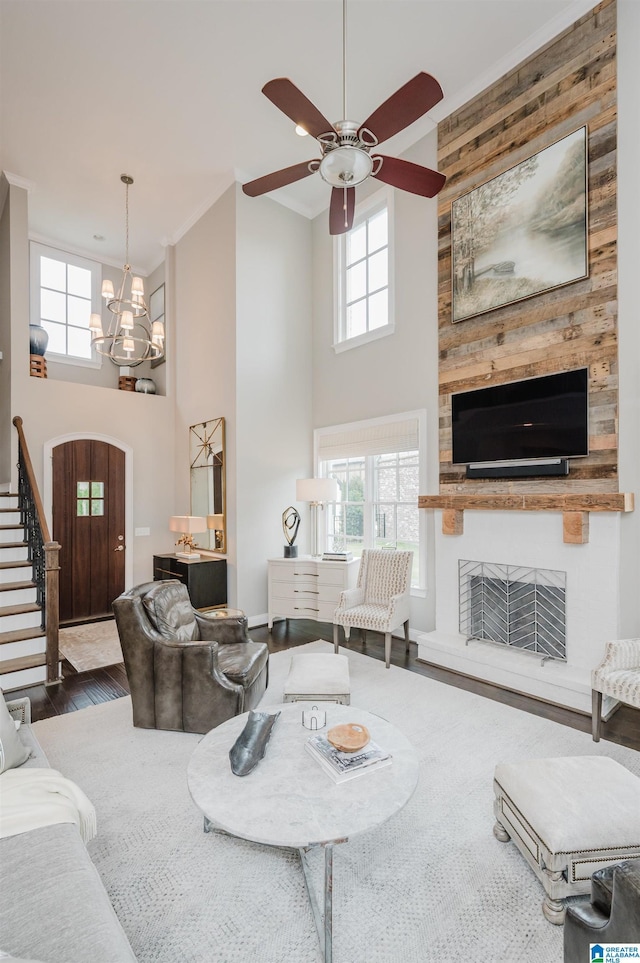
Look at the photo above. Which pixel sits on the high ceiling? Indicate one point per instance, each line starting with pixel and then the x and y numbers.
pixel 169 91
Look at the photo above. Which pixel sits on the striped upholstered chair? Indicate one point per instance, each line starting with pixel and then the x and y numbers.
pixel 380 600
pixel 617 676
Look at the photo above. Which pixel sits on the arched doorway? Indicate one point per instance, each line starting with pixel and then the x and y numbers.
pixel 88 519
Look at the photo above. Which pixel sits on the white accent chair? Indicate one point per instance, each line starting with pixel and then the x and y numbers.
pixel 617 676
pixel 380 600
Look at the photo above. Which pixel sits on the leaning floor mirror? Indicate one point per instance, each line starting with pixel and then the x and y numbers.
pixel 207 460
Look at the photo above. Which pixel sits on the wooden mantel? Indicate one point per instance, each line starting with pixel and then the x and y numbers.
pixel 575 509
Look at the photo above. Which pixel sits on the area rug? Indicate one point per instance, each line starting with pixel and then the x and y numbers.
pixel 91 646
pixel 431 884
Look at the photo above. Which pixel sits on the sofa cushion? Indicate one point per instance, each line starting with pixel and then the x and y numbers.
pixel 12 751
pixel 169 608
pixel 54 906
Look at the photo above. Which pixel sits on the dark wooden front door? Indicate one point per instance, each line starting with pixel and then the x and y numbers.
pixel 88 522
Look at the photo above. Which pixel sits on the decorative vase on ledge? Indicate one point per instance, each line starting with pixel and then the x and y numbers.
pixel 146 385
pixel 38 339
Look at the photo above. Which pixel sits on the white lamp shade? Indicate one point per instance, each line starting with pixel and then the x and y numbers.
pixel 187 524
pixel 316 490
pixel 126 321
pixel 95 323
pixel 215 522
pixel 137 286
pixel 107 289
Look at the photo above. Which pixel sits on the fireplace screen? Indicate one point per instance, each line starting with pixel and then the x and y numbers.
pixel 514 606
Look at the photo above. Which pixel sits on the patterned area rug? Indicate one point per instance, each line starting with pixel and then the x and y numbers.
pixel 91 646
pixel 431 884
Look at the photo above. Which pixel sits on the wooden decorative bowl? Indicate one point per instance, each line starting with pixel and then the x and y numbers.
pixel 349 737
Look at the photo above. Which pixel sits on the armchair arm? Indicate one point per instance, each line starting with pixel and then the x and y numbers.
pixel 621 654
pixel 225 631
pixel 349 598
pixel 399 607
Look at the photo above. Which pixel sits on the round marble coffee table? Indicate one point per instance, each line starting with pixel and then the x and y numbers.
pixel 289 801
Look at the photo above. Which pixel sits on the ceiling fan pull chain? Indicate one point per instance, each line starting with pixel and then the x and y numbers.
pixel 344 207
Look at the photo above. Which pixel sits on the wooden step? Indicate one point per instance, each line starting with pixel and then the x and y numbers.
pixel 9 511
pixel 12 545
pixel 24 662
pixel 12 528
pixel 21 635
pixel 19 609
pixel 16 586
pixel 23 564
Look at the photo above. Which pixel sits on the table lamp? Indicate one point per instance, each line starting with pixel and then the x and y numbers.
pixel 316 491
pixel 187 525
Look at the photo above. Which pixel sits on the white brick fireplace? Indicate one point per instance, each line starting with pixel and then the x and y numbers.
pixel 532 539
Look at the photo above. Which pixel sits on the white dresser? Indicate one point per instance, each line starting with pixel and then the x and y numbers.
pixel 308 588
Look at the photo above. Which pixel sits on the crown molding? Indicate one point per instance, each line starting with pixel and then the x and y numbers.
pixel 83 252
pixel 224 183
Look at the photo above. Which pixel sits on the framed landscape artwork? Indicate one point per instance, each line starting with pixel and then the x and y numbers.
pixel 523 232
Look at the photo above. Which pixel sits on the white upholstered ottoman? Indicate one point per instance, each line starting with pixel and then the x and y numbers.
pixel 316 676
pixel 568 817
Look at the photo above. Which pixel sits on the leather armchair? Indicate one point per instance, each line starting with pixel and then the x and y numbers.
pixel 186 671
pixel 612 915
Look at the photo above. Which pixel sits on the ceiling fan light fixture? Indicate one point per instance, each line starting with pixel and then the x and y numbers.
pixel 300 131
pixel 346 166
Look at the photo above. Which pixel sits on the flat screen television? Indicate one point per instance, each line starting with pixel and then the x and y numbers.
pixel 538 418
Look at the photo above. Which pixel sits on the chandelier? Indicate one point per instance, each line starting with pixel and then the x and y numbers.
pixel 131 336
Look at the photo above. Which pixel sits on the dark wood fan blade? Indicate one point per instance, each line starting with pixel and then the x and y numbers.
pixel 271 182
pixel 341 220
pixel 409 177
pixel 401 109
pixel 292 102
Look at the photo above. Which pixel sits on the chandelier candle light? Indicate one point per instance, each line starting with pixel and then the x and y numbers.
pixel 316 491
pixel 188 525
pixel 131 336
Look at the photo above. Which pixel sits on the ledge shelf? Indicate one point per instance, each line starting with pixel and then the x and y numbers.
pixel 575 509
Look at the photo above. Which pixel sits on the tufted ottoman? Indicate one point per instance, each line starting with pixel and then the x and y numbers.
pixel 316 676
pixel 568 817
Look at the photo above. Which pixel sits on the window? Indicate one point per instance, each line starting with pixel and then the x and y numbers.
pixel 89 498
pixel 377 465
pixel 363 267
pixel 64 292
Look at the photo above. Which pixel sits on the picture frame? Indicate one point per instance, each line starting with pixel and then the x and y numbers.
pixel 156 313
pixel 523 232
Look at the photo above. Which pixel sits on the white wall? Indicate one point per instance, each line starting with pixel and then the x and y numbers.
pixel 51 409
pixel 204 290
pixel 5 336
pixel 397 373
pixel 628 319
pixel 274 427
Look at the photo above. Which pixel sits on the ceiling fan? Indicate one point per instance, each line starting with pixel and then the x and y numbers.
pixel 346 146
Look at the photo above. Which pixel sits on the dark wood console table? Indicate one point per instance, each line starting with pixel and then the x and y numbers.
pixel 205 578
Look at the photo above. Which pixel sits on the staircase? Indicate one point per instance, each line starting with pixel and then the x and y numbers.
pixel 23 658
pixel 28 583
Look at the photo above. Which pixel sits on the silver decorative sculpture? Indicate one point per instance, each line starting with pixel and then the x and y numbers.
pixel 251 744
pixel 290 526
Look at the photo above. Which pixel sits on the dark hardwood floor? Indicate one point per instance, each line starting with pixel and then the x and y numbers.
pixel 78 690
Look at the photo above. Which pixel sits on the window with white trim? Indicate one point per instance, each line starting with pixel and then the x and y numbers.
pixel 65 290
pixel 379 466
pixel 364 269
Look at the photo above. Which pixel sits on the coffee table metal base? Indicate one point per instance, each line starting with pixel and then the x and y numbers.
pixel 322 916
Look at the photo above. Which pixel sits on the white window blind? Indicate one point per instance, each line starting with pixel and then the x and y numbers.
pixel 380 439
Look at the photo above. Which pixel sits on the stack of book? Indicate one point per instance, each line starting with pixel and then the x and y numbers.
pixel 346 765
pixel 337 556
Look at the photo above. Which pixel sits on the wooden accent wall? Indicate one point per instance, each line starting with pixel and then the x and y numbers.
pixel 568 84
